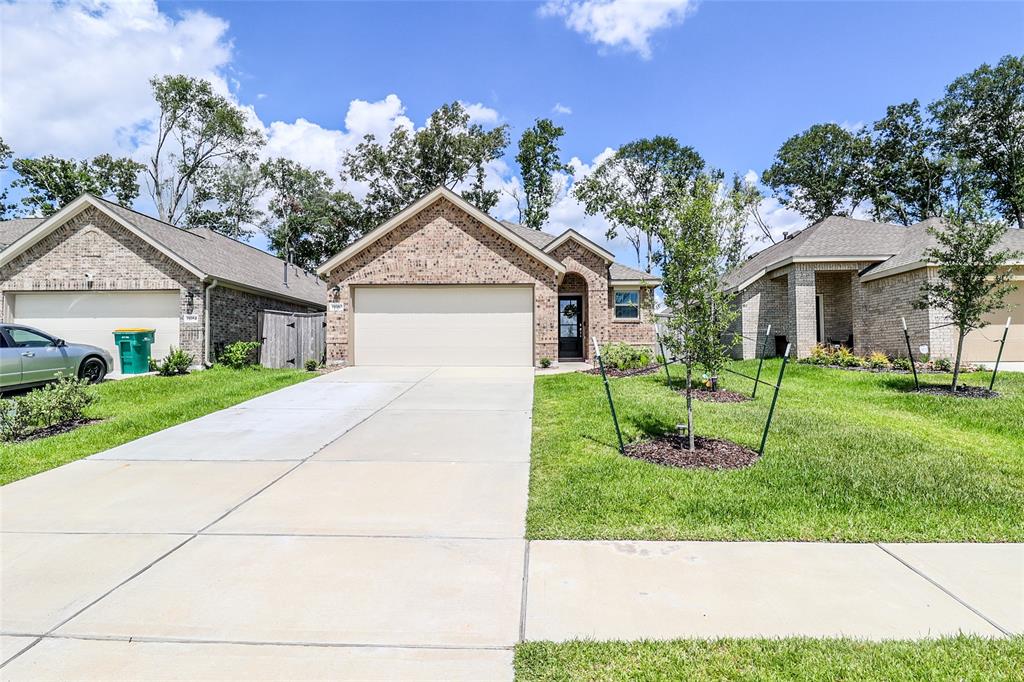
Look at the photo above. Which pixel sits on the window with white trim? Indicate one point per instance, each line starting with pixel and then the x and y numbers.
pixel 627 304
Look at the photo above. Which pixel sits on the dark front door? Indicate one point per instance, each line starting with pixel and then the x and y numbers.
pixel 570 327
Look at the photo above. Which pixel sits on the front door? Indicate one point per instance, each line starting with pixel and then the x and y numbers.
pixel 570 327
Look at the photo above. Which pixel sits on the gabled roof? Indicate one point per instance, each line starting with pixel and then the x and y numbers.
pixel 423 202
pixel 13 230
pixel 204 253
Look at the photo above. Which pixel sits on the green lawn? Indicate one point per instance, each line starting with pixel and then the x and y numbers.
pixel 852 456
pixel 804 660
pixel 135 407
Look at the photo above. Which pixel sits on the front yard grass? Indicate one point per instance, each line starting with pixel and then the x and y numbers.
pixel 805 660
pixel 136 407
pixel 852 456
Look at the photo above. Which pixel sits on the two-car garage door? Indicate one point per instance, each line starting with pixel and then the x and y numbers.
pixel 443 325
pixel 92 316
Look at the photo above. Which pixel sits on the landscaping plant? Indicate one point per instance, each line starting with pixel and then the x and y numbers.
pixel 56 404
pixel 177 362
pixel 545 362
pixel 311 365
pixel 240 354
pixel 623 356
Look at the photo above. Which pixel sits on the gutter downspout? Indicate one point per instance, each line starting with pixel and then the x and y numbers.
pixel 206 323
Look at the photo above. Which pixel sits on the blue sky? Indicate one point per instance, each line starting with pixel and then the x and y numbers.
pixel 732 79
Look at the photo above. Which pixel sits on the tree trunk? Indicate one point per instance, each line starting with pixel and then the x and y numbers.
pixel 959 352
pixel 689 407
pixel 1019 215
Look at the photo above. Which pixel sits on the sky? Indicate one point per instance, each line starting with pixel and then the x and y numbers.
pixel 732 79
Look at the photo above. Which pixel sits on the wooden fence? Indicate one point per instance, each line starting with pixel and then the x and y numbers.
pixel 290 339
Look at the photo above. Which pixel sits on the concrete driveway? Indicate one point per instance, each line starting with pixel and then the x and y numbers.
pixel 365 524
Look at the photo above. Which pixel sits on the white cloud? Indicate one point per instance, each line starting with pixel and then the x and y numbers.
pixel 478 113
pixel 560 108
pixel 74 78
pixel 626 24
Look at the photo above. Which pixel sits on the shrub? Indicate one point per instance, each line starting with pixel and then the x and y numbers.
pixel 878 361
pixel 901 363
pixel 240 354
pixel 176 362
pixel 942 365
pixel 821 355
pixel 844 357
pixel 61 402
pixel 311 365
pixel 623 356
pixel 545 362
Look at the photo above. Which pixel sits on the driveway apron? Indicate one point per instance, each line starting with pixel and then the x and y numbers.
pixel 366 524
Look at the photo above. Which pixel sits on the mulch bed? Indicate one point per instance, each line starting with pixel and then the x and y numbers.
pixel 722 395
pixel 612 372
pixel 961 391
pixel 892 370
pixel 709 453
pixel 54 430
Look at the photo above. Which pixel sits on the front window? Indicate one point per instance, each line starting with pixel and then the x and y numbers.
pixel 627 305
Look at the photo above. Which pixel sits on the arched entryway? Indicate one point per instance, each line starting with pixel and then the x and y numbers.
pixel 572 317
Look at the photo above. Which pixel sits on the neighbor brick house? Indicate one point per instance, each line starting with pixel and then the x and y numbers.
pixel 95 266
pixel 444 283
pixel 850 282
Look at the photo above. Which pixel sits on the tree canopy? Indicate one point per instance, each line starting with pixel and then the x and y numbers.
pixel 51 182
pixel 539 161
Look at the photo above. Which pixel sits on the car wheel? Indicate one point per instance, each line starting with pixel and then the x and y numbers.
pixel 92 370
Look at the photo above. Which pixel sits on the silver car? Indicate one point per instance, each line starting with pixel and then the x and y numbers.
pixel 29 357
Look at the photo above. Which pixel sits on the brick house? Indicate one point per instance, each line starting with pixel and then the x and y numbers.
pixel 846 281
pixel 95 266
pixel 443 283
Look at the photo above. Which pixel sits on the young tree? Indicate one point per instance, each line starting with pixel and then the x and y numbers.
pixel 448 151
pixel 907 172
pixel 981 118
pixel 308 220
pixel 638 189
pixel 820 172
pixel 7 210
pixel 198 132
pixel 971 279
pixel 51 182
pixel 538 162
pixel 699 311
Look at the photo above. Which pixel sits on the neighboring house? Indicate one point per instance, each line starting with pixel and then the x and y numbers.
pixel 443 283
pixel 846 281
pixel 95 266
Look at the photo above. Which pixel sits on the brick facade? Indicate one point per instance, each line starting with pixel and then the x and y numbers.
pixel 233 315
pixel 442 244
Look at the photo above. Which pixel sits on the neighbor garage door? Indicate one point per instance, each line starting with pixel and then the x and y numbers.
pixel 92 316
pixel 443 325
pixel 982 344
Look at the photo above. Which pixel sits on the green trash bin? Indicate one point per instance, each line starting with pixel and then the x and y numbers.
pixel 133 347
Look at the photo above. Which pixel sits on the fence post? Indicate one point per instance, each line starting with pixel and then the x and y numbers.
pixel 764 349
pixel 775 397
pixel 664 360
pixel 999 356
pixel 910 355
pixel 608 391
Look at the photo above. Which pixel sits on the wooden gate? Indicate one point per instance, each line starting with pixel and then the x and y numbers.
pixel 290 339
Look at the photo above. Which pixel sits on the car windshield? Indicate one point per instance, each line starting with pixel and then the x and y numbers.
pixel 26 338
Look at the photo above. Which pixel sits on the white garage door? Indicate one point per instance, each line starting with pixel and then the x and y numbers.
pixel 92 316
pixel 443 325
pixel 982 344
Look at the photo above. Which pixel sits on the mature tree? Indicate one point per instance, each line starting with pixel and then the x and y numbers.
pixel 972 280
pixel 198 132
pixel 982 118
pixel 907 170
pixel 736 206
pixel 699 311
pixel 538 160
pixel 308 220
pixel 51 182
pixel 7 210
pixel 225 200
pixel 638 190
pixel 448 151
pixel 820 172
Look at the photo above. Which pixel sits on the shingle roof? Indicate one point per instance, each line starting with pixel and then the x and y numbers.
pixel 13 230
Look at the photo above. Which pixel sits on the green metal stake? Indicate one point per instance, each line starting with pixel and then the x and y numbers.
pixel 664 360
pixel 775 397
pixel 764 350
pixel 910 355
pixel 608 390
pixel 999 356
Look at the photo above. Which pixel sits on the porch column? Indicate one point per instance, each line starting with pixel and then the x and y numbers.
pixel 802 319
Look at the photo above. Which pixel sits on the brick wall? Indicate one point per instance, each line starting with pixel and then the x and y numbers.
pixel 233 315
pixel 834 288
pixel 634 332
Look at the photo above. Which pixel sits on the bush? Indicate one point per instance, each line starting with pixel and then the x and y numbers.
pixel 844 357
pixel 901 363
pixel 240 354
pixel 942 365
pixel 61 402
pixel 311 365
pixel 176 362
pixel 821 355
pixel 878 361
pixel 545 362
pixel 623 356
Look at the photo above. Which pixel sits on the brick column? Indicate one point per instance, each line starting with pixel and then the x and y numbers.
pixel 802 332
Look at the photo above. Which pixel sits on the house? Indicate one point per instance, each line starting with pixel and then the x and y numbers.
pixel 95 266
pixel 443 283
pixel 847 281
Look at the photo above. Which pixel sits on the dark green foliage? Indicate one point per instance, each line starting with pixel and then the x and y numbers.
pixel 623 356
pixel 240 354
pixel 7 210
pixel 61 402
pixel 538 162
pixel 51 182
pixel 545 362
pixel 177 362
pixel 311 365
